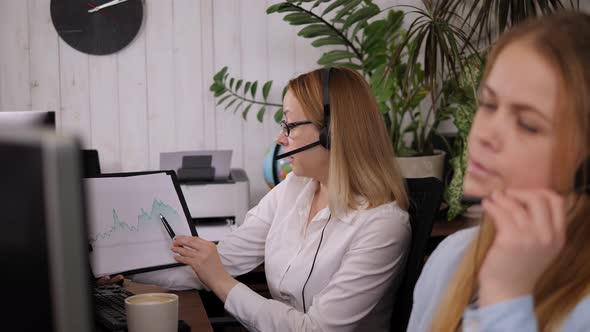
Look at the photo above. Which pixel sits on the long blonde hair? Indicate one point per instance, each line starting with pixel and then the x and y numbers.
pixel 362 161
pixel 563 40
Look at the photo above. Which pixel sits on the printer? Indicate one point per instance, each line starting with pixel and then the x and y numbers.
pixel 213 191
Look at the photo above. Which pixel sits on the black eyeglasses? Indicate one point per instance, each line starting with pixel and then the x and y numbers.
pixel 287 126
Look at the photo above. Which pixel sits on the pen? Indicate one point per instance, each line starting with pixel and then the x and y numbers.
pixel 167 226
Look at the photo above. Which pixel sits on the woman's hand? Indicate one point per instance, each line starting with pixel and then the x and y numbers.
pixel 530 233
pixel 202 256
pixel 107 280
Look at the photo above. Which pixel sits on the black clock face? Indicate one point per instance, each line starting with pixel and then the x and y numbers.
pixel 104 31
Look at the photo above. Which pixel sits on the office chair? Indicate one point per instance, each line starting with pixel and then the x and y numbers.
pixel 425 197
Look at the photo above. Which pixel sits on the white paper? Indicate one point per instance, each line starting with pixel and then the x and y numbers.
pixel 125 230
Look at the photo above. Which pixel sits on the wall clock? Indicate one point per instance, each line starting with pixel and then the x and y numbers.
pixel 97 27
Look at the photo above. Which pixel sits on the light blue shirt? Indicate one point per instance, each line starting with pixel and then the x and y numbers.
pixel 514 315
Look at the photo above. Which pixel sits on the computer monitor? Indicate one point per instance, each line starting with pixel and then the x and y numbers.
pixel 90 163
pixel 19 119
pixel 43 240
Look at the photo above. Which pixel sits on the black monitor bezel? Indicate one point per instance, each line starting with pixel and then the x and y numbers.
pixel 185 209
pixel 45 119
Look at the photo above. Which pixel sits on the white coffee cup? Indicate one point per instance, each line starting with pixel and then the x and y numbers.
pixel 152 312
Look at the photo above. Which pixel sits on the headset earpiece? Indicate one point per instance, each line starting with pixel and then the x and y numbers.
pixel 325 131
pixel 325 136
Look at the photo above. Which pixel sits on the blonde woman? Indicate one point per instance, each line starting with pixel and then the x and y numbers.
pixel 333 235
pixel 527 268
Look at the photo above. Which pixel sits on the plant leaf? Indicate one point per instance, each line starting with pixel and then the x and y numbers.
pixel 317 3
pixel 361 24
pixel 219 75
pixel 266 89
pixel 231 83
pixel 238 85
pixel 316 30
pixel 281 8
pixel 238 106
pixel 411 127
pixel 349 6
pixel 222 99
pixel 300 18
pixel 253 89
pixel 260 115
pixel 333 6
pixel 361 14
pixel 278 115
pixel 220 91
pixel 289 8
pixel 332 56
pixel 382 87
pixel 347 65
pixel 274 8
pixel 245 111
pixel 454 190
pixel 404 151
pixel 247 87
pixel 215 86
pixel 374 33
pixel 328 41
pixel 230 103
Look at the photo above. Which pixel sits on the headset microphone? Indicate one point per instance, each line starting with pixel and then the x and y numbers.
pixel 303 148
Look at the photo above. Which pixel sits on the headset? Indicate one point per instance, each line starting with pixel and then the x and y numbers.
pixel 313 264
pixel 324 139
pixel 325 131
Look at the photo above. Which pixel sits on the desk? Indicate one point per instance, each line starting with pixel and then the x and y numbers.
pixel 190 307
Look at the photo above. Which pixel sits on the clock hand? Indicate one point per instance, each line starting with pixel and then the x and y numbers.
pixel 105 5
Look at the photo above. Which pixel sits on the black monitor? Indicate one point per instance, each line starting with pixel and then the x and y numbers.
pixel 46 119
pixel 19 119
pixel 90 163
pixel 45 268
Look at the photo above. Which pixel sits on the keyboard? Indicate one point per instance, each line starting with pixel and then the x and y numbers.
pixel 109 307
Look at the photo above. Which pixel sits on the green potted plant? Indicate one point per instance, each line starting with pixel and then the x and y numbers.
pixel 363 37
pixel 453 36
pixel 421 76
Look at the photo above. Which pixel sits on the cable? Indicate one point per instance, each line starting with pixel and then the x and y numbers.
pixel 313 264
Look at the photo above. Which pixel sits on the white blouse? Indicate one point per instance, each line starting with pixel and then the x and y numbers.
pixel 357 268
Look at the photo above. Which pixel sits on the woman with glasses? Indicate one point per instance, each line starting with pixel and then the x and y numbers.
pixel 333 235
pixel 527 267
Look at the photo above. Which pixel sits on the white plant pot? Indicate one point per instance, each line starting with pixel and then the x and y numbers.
pixel 424 166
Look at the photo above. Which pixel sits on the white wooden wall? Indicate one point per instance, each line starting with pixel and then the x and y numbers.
pixel 153 96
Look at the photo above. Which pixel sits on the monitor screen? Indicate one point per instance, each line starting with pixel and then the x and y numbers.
pixel 19 119
pixel 43 239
